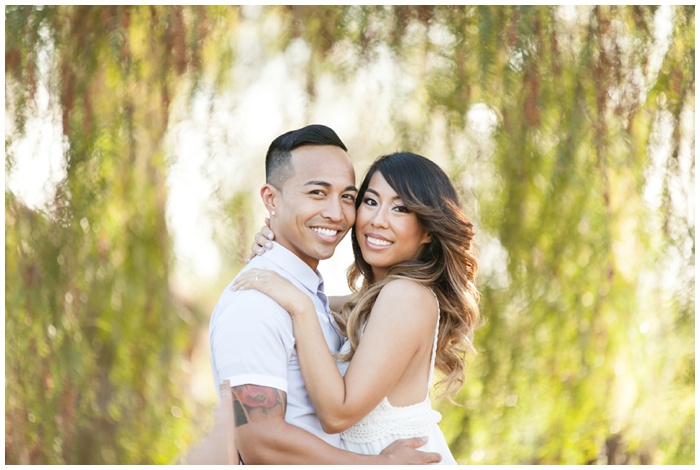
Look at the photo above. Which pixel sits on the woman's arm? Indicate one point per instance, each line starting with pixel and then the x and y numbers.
pixel 394 334
pixel 263 242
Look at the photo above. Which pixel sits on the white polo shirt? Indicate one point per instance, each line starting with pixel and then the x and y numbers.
pixel 252 341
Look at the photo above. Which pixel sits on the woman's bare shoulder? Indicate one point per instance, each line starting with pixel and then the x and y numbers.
pixel 407 287
pixel 405 296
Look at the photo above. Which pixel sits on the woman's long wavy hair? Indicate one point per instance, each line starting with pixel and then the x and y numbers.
pixel 447 264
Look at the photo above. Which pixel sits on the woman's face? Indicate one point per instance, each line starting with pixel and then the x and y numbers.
pixel 386 231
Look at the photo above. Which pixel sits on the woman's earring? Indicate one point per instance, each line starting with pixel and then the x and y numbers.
pixel 273 213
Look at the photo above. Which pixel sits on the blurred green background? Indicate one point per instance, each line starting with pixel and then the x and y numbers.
pixel 135 139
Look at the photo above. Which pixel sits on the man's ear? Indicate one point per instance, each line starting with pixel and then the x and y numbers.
pixel 269 195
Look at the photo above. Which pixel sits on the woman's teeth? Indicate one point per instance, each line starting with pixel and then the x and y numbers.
pixel 376 241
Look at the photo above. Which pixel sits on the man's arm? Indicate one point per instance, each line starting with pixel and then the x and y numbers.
pixel 264 437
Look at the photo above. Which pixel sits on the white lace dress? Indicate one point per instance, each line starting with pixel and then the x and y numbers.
pixel 387 423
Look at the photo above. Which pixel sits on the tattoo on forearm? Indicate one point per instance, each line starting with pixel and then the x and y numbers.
pixel 252 402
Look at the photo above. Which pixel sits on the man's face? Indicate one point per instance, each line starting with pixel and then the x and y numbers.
pixel 316 206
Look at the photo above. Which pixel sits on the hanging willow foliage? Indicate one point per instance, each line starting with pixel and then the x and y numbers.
pixel 580 105
pixel 94 338
pixel 588 289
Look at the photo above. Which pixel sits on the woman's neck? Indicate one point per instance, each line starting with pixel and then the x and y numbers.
pixel 378 274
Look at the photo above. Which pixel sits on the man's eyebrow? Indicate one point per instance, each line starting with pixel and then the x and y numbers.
pixel 326 184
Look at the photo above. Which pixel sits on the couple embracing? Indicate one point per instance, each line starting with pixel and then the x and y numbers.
pixel 346 380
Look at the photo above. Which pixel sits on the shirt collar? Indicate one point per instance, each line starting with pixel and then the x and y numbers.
pixel 291 263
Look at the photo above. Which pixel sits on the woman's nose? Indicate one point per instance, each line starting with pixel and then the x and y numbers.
pixel 379 219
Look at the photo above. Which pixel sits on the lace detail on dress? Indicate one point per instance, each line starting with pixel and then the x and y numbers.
pixel 388 420
pixel 397 421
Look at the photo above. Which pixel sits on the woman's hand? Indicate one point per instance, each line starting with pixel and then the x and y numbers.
pixel 262 242
pixel 289 296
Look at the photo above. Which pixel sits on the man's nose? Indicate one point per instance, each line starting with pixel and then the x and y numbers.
pixel 333 210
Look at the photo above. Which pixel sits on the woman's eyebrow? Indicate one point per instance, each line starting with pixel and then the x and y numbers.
pixel 370 190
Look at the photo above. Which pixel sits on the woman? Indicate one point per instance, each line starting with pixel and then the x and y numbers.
pixel 416 309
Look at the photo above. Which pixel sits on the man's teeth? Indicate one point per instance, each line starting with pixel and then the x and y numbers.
pixel 325 231
pixel 376 241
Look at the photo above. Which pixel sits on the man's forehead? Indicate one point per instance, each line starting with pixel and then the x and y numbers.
pixel 322 164
pixel 318 152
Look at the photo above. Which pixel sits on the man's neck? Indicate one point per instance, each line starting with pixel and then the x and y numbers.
pixel 310 262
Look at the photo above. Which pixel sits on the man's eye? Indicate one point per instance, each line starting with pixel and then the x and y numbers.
pixel 317 192
pixel 349 197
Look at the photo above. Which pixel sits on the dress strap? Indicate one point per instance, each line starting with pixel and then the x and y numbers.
pixel 435 341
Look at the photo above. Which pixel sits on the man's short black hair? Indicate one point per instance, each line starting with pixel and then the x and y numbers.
pixel 278 166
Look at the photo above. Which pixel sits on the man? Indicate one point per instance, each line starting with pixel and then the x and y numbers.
pixel 310 194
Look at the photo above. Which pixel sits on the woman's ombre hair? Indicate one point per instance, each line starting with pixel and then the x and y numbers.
pixel 447 264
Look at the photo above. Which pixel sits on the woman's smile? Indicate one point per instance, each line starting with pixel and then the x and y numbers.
pixel 375 241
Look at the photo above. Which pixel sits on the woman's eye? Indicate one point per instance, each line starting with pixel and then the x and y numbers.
pixel 402 209
pixel 369 201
